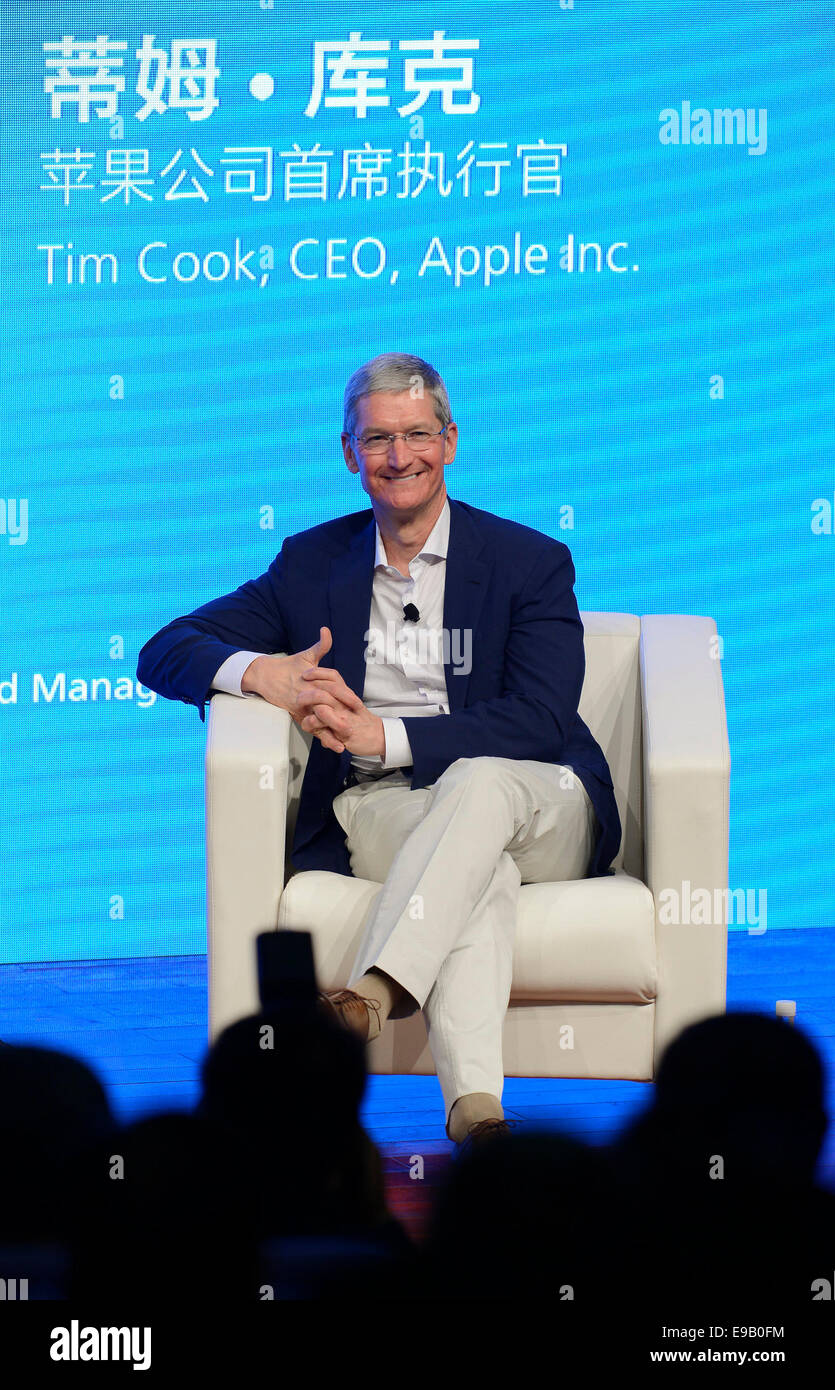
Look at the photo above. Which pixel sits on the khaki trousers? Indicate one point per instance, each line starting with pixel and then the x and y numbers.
pixel 451 858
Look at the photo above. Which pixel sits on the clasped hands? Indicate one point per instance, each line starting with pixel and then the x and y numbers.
pixel 337 716
pixel 318 699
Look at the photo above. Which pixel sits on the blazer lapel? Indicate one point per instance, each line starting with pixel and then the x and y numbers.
pixel 349 599
pixel 464 591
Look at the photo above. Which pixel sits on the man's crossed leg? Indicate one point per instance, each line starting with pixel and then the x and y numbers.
pixel 451 858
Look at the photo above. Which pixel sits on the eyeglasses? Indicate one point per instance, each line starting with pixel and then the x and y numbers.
pixel 419 440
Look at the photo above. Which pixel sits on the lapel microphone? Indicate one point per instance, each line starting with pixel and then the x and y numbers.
pixel 410 613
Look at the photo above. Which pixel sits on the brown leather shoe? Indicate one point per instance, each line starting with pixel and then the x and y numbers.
pixel 351 1009
pixel 483 1132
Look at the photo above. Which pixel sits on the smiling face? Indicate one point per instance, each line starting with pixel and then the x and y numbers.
pixel 403 484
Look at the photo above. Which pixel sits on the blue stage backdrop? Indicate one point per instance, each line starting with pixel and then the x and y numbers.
pixel 608 225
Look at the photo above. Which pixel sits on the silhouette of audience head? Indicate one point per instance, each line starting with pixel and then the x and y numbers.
pixel 281 1094
pixel 55 1128
pixel 748 1088
pixel 715 1180
pixel 173 1221
pixel 520 1216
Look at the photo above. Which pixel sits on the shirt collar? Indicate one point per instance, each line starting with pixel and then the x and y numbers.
pixel 436 543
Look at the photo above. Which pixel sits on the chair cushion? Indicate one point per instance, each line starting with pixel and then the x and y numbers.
pixel 587 939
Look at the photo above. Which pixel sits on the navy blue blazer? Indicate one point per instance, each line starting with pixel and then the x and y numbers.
pixel 513 587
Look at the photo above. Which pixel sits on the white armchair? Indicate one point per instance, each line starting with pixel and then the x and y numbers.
pixel 600 984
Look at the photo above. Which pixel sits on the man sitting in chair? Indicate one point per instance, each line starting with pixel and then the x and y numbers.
pixel 436 653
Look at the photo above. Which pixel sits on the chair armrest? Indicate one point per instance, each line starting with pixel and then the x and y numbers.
pixel 686 764
pixel 247 770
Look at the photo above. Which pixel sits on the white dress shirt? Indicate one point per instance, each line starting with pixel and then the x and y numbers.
pixel 404 671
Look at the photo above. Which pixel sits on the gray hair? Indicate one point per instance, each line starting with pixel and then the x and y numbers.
pixel 395 371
